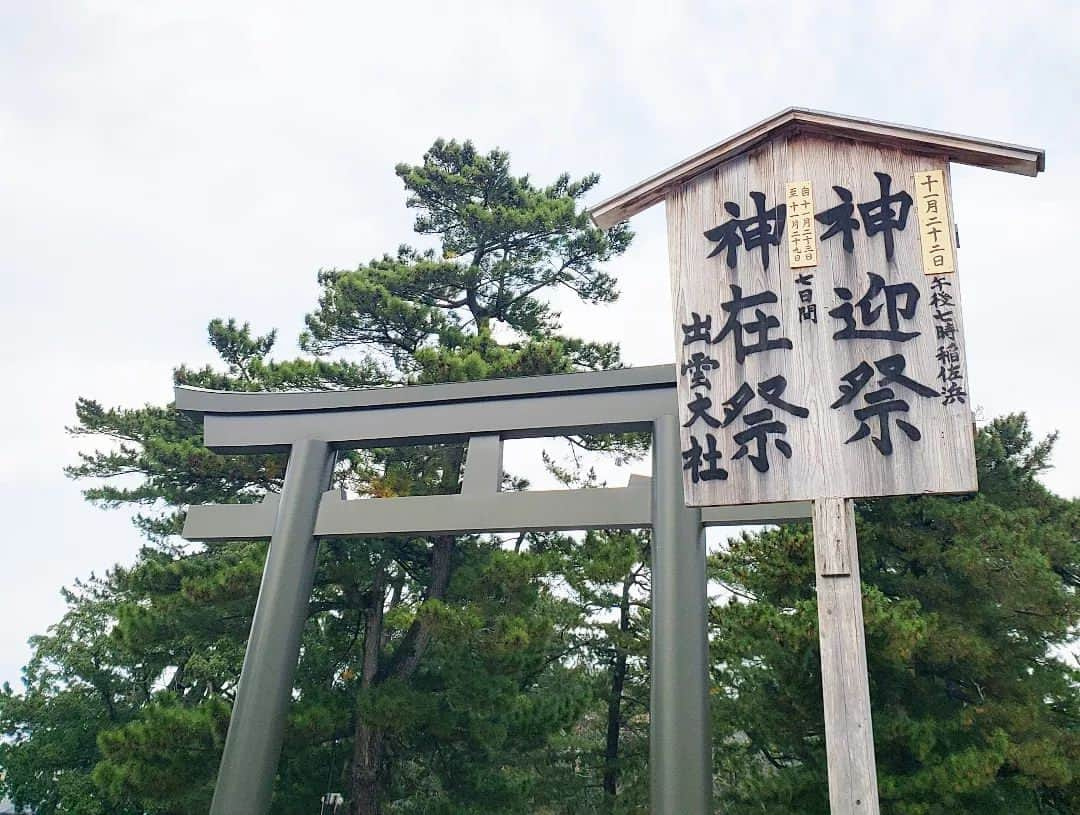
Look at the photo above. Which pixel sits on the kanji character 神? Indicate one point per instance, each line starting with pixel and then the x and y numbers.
pixel 878 216
pixel 759 231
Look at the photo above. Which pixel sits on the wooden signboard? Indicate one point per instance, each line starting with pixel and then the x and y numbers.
pixel 817 312
pixel 841 373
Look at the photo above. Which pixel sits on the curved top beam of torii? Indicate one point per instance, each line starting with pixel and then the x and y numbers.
pixel 993 155
pixel 616 401
pixel 203 401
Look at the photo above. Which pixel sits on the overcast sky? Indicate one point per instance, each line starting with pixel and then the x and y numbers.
pixel 166 163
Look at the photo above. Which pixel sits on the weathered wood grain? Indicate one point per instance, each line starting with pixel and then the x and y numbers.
pixel 822 464
pixel 849 736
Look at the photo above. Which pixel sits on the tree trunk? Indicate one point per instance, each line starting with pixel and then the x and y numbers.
pixel 407 655
pixel 614 712
pixel 365 779
pixel 368 772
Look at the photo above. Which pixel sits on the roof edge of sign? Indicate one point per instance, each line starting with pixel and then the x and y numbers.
pixel 993 155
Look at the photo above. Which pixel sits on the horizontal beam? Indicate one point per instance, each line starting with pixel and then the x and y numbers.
pixel 200 400
pixel 783 512
pixel 555 510
pixel 522 417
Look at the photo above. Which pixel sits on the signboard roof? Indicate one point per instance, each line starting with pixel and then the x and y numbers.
pixel 993 155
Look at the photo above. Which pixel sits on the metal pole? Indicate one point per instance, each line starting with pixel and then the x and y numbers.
pixel 253 745
pixel 680 743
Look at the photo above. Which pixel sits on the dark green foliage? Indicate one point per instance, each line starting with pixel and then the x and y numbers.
pixel 970 605
pixel 504 244
pixel 77 685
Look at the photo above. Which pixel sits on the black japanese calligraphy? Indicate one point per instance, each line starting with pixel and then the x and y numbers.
pixel 891 369
pixel 884 216
pixel 759 327
pixel 883 402
pixel 759 231
pixel 807 306
pixel 840 220
pixel 879 405
pixel 699 409
pixel 901 300
pixel 703 464
pixel 698 366
pixel 879 217
pixel 951 371
pixel 760 425
pixel 931 207
pixel 699 330
pixel 771 390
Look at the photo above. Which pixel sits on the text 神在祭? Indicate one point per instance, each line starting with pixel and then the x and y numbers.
pixel 877 392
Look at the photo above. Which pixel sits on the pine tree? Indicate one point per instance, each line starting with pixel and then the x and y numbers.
pixel 432 671
pixel 971 608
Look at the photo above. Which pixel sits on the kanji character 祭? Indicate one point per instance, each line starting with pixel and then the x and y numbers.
pixel 760 424
pixel 883 402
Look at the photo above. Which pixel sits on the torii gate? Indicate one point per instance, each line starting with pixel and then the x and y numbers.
pixel 312 426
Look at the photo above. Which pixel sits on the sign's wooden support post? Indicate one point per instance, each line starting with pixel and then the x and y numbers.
pixel 849 735
pixel 680 755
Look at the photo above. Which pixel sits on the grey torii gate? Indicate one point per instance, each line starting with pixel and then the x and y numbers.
pixel 312 426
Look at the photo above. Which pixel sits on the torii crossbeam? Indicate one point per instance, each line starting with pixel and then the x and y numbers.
pixel 312 426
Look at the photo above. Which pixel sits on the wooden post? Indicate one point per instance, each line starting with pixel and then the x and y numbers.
pixel 849 734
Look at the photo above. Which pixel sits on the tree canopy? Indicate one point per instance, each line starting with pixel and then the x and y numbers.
pixel 971 610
